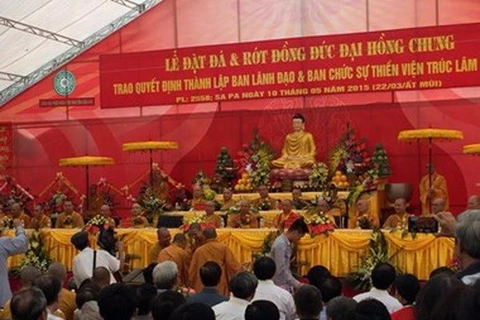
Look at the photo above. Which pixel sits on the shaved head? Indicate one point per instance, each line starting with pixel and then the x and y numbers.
pixel 210 233
pixel 180 240
pixel 473 202
pixel 439 205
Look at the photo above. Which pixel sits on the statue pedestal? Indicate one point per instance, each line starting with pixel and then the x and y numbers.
pixel 291 178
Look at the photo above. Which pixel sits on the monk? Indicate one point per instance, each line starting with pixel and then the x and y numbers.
pixel 245 219
pixel 298 202
pixel 400 218
pixel 285 219
pixel 40 219
pixel 363 212
pixel 264 202
pixel 299 149
pixel 176 252
pixel 438 189
pixel 106 213
pixel 163 241
pixel 210 216
pixel 473 203
pixel 198 201
pixel 439 205
pixel 217 252
pixel 138 219
pixel 194 238
pixel 69 218
pixel 228 201
pixel 18 213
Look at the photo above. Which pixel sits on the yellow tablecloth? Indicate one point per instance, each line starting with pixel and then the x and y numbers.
pixel 340 251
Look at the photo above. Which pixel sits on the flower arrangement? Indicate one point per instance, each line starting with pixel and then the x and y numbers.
pixel 263 205
pixel 255 159
pixel 198 218
pixel 36 255
pixel 318 224
pixel 7 222
pixel 319 175
pixel 97 223
pixel 267 244
pixel 360 279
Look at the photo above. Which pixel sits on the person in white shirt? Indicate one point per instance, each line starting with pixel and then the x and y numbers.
pixel 242 286
pixel 383 276
pixel 264 269
pixel 83 263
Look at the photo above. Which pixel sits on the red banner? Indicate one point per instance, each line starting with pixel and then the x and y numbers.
pixel 6 149
pixel 408 59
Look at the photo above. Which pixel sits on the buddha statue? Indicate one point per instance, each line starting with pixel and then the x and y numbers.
pixel 299 148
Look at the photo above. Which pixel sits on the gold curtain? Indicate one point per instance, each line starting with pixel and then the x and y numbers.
pixel 341 251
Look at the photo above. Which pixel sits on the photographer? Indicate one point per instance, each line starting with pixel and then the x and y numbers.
pixel 88 259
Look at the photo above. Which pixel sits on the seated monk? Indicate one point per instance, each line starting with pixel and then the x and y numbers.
pixel 138 220
pixel 264 202
pixel 285 219
pixel 245 219
pixel 198 201
pixel 18 213
pixel 69 218
pixel 40 219
pixel 400 218
pixel 210 216
pixel 299 149
pixel 298 202
pixel 106 213
pixel 363 212
pixel 228 201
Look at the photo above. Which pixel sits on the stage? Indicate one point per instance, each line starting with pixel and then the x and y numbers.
pixel 341 251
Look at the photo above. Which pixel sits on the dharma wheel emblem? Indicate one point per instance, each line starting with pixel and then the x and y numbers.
pixel 64 83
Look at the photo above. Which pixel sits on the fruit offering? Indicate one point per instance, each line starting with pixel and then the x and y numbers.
pixel 243 183
pixel 340 180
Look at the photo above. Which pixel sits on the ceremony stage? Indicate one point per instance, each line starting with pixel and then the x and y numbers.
pixel 340 252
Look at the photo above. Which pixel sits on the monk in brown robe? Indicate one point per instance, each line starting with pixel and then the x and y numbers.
pixel 18 213
pixel 245 219
pixel 218 252
pixel 400 218
pixel 210 216
pixel 438 189
pixel 363 212
pixel 264 202
pixel 176 252
pixel 198 201
pixel 137 220
pixel 323 207
pixel 299 149
pixel 40 219
pixel 287 217
pixel 69 218
pixel 228 201
pixel 163 241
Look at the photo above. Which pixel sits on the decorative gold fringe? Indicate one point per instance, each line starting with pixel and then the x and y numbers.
pixel 430 134
pixel 472 149
pixel 150 145
pixel 86 161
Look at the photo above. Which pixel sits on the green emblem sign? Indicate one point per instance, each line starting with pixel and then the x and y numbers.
pixel 64 83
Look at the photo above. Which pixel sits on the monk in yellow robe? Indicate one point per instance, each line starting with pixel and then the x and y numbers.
pixel 137 220
pixel 323 207
pixel 264 202
pixel 299 149
pixel 217 252
pixel 198 201
pixel 40 219
pixel 227 201
pixel 69 218
pixel 163 241
pixel 18 213
pixel 400 218
pixel 176 252
pixel 210 216
pixel 285 219
pixel 363 212
pixel 438 189
pixel 245 219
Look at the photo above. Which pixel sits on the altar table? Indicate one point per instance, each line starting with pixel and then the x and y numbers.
pixel 341 251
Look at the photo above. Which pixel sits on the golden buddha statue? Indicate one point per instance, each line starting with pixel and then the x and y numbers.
pixel 299 149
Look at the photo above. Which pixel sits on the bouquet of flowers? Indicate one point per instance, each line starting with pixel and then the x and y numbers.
pixel 364 223
pixel 318 223
pixel 97 223
pixel 264 205
pixel 7 223
pixel 198 218
pixel 36 255
pixel 319 175
pixel 152 206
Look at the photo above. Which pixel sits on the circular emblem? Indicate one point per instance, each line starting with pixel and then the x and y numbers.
pixel 64 83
